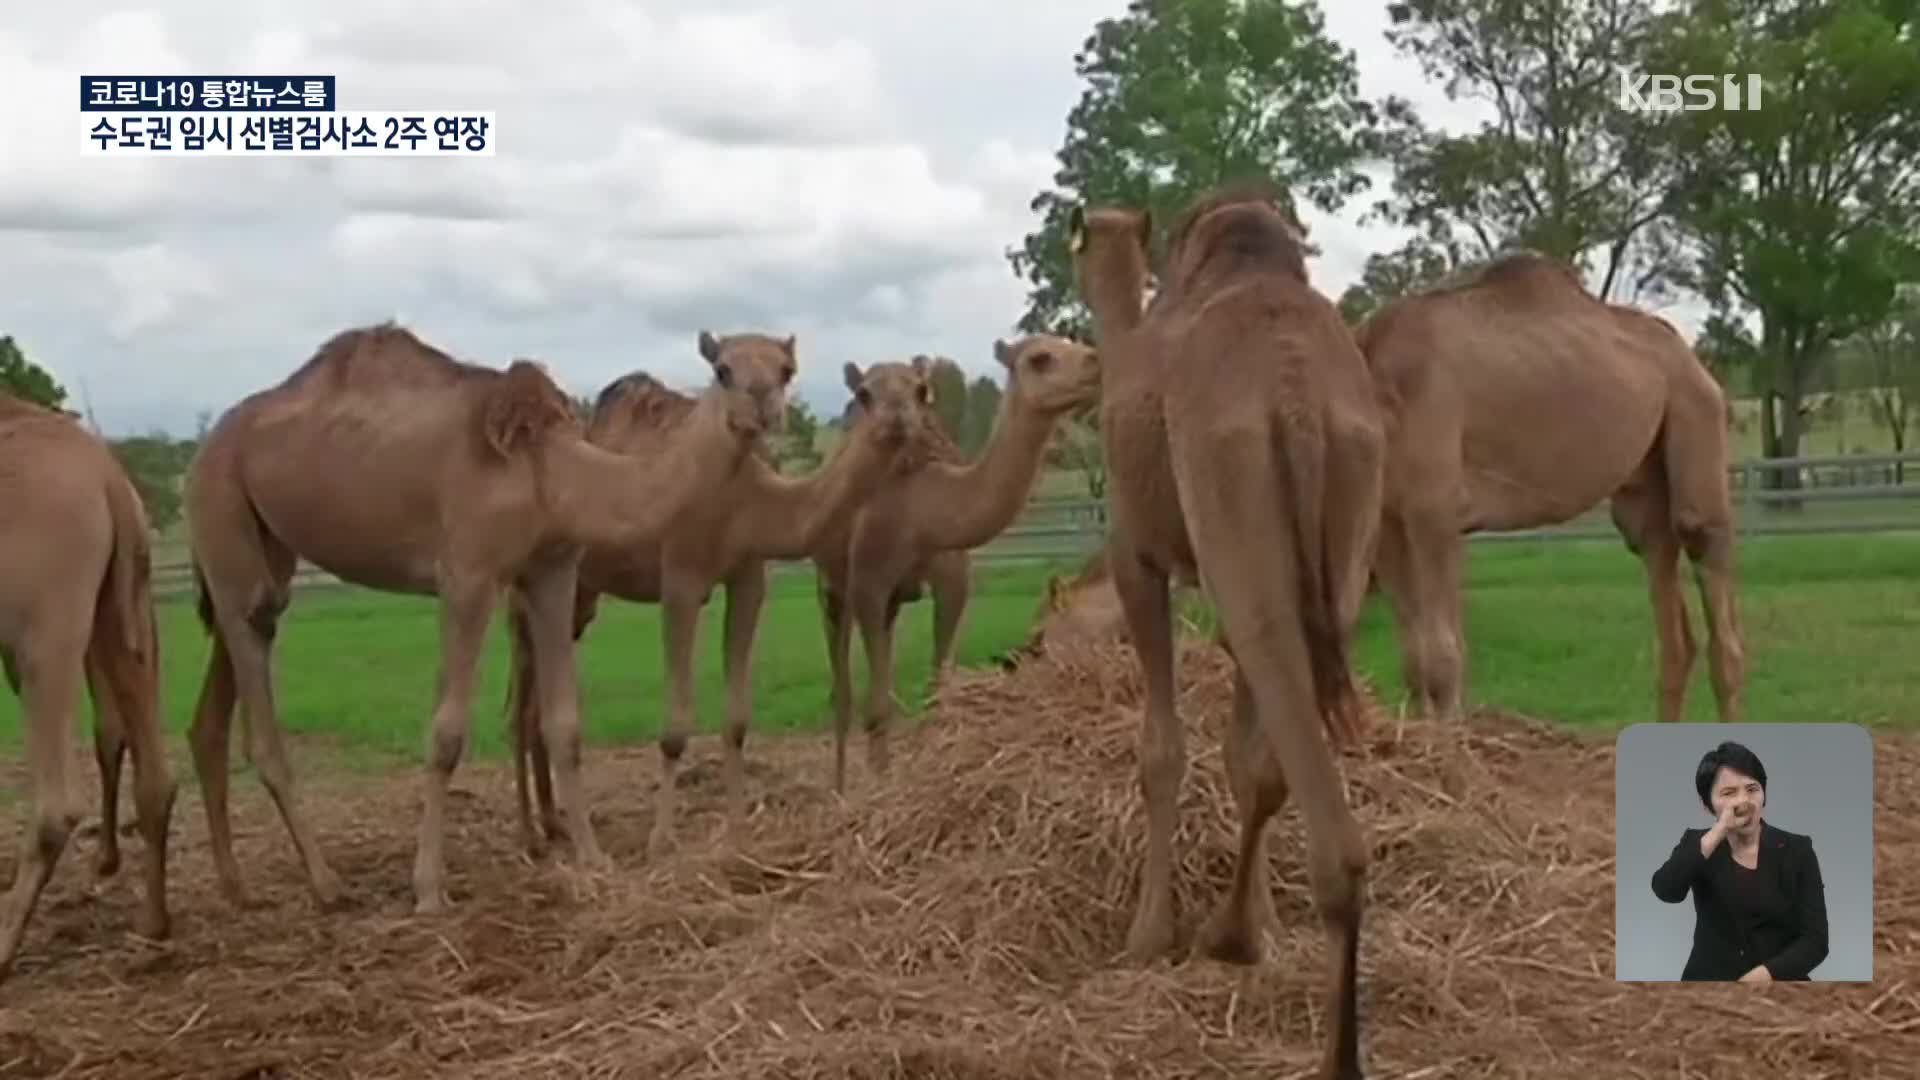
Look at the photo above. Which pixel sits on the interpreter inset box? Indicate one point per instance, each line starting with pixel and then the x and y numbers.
pixel 1743 852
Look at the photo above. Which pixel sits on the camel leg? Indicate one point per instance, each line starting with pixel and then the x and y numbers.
pixel 951 582
pixel 522 693
pixel 746 591
pixel 586 604
pixel 1232 935
pixel 1694 449
pixel 109 753
pixel 131 684
pixel 1711 551
pixel 550 598
pixel 466 606
pixel 1640 514
pixel 1418 565
pixel 839 627
pixel 1242 529
pixel 1147 605
pixel 874 611
pixel 47 669
pixel 208 737
pixel 681 599
pixel 247 626
pixel 1356 483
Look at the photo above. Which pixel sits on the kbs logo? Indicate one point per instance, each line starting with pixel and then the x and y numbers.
pixel 1691 93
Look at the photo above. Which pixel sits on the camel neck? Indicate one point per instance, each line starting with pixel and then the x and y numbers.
pixel 970 504
pixel 790 515
pixel 1114 297
pixel 611 500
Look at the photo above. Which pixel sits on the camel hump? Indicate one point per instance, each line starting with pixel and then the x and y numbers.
pixel 522 405
pixel 383 357
pixel 1515 270
pixel 638 396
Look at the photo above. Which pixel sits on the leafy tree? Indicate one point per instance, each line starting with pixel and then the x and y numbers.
pixel 1394 274
pixel 24 378
pixel 983 405
pixel 949 397
pixel 156 463
pixel 1077 446
pixel 1804 210
pixel 1561 168
pixel 799 450
pixel 1182 95
pixel 1885 358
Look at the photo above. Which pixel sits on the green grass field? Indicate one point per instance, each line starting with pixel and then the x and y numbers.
pixel 1557 630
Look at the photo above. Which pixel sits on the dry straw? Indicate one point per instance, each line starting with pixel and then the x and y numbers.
pixel 960 921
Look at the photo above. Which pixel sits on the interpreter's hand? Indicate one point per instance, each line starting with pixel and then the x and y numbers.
pixel 1759 974
pixel 1721 826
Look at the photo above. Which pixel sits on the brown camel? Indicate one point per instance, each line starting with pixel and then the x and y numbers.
pixel 396 467
pixel 76 603
pixel 931 508
pixel 1520 401
pixel 727 538
pixel 1244 445
pixel 1075 612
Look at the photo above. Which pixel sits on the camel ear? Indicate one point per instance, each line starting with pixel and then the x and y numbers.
pixel 709 347
pixel 920 364
pixel 1077 229
pixel 1003 352
pixel 786 345
pixel 524 405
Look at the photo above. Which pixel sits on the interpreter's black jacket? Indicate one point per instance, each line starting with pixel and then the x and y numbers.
pixel 1774 914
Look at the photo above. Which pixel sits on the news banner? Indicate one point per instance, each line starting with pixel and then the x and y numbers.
pixel 264 115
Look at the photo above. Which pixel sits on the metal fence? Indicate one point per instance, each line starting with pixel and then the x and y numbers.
pixel 1853 493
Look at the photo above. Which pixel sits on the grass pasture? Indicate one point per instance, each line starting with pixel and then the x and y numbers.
pixel 1557 630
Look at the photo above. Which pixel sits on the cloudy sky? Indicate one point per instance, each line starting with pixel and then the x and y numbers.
pixel 849 171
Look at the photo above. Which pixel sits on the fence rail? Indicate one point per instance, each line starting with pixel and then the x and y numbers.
pixel 1855 493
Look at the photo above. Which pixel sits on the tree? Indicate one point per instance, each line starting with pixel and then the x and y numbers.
pixel 1182 95
pixel 1077 446
pixel 798 450
pixel 1395 274
pixel 1884 359
pixel 24 378
pixel 983 405
pixel 949 396
pixel 156 463
pixel 1804 210
pixel 1560 168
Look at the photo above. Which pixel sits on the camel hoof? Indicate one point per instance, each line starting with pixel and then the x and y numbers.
pixel 432 903
pixel 108 863
pixel 154 927
pixel 327 893
pixel 1228 940
pixel 1149 939
pixel 660 844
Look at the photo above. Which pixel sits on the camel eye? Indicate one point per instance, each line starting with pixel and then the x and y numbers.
pixel 786 374
pixel 1041 361
pixel 724 374
pixel 924 393
pixel 864 396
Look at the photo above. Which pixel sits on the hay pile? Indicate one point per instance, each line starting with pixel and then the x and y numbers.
pixel 961 920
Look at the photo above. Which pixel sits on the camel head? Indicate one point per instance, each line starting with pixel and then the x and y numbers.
pixel 1110 243
pixel 890 398
pixel 1049 374
pixel 751 373
pixel 1238 214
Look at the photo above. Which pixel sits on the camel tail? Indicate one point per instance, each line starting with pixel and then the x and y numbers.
pixel 1305 477
pixel 522 692
pixel 128 591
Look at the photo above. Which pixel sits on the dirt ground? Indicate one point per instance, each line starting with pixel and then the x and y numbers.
pixel 961 920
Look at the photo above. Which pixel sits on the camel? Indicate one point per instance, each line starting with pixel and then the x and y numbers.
pixel 1075 612
pixel 728 538
pixel 76 603
pixel 1245 446
pixel 394 466
pixel 1521 400
pixel 929 509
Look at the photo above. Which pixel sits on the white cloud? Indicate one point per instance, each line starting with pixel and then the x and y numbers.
pixel 848 171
